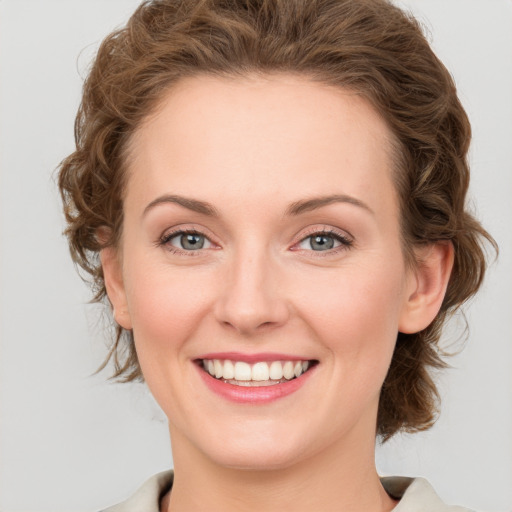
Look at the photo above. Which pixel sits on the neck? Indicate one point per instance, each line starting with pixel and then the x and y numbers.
pixel 341 478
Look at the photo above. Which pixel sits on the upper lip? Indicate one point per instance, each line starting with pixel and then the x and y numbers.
pixel 253 358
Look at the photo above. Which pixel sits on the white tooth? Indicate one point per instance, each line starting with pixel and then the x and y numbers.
pixel 211 367
pixel 218 368
pixel 229 370
pixel 242 371
pixel 305 366
pixel 276 370
pixel 288 372
pixel 297 370
pixel 260 371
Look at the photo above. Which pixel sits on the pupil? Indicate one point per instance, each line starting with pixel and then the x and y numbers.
pixel 191 241
pixel 322 242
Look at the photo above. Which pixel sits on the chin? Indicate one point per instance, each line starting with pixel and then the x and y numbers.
pixel 268 449
pixel 256 459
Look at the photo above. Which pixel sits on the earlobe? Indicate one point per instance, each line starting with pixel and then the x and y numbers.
pixel 427 286
pixel 113 276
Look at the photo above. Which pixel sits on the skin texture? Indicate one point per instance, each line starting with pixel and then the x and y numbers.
pixel 251 148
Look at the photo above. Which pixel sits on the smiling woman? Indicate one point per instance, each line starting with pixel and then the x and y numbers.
pixel 276 191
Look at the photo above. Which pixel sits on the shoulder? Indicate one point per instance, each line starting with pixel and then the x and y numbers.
pixel 147 497
pixel 416 495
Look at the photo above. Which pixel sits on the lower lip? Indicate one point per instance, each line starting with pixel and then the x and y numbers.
pixel 253 395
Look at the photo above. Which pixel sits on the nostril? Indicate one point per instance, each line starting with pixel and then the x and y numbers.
pixel 248 304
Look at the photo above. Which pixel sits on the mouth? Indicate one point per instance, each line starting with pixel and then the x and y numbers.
pixel 256 374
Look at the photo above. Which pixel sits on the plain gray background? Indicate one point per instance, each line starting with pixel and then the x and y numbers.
pixel 71 442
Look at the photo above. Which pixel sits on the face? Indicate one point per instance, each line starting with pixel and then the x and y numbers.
pixel 261 232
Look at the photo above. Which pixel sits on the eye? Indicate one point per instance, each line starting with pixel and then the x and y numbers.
pixel 324 241
pixel 186 241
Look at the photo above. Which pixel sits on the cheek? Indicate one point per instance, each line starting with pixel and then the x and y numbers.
pixel 165 306
pixel 355 311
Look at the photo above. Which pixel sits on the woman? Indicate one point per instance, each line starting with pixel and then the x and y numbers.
pixel 276 193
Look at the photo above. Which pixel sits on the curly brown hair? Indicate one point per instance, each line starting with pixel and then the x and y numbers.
pixel 368 46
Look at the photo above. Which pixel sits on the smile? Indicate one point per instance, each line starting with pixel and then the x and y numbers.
pixel 256 379
pixel 262 373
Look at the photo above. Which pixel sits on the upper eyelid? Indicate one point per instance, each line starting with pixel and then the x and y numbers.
pixel 165 239
pixel 345 239
pixel 325 230
pixel 172 232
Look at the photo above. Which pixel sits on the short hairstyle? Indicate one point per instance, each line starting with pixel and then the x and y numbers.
pixel 368 46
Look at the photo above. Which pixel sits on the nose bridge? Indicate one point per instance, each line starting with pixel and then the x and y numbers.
pixel 251 298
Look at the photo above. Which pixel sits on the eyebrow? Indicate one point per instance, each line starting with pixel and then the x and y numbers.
pixel 187 202
pixel 294 209
pixel 308 205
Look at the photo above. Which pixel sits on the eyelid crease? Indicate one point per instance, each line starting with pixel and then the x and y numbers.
pixel 346 242
pixel 164 241
pixel 326 230
pixel 186 231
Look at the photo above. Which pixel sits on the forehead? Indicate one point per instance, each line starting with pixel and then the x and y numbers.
pixel 258 136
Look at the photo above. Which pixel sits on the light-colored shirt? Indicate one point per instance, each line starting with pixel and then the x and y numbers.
pixel 415 495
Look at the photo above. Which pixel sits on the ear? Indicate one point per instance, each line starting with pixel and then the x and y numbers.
pixel 113 276
pixel 426 286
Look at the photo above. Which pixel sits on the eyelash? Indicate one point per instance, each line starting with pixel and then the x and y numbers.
pixel 164 241
pixel 345 242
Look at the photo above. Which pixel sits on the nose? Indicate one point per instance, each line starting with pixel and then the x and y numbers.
pixel 252 298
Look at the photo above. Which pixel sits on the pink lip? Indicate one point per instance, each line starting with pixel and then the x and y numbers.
pixel 253 395
pixel 252 358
